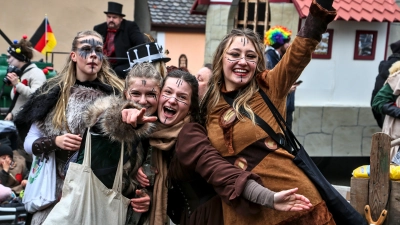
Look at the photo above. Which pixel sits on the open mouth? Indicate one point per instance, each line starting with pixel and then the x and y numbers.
pixel 168 111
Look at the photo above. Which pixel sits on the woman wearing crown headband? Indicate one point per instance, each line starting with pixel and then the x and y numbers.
pixel 55 109
pixel 24 76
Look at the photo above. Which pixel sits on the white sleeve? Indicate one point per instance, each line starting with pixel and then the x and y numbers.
pixel 33 134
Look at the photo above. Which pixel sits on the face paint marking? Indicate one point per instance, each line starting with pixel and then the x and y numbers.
pixel 91 46
pixel 144 83
pixel 169 97
pixel 165 121
pixel 238 59
pixel 179 82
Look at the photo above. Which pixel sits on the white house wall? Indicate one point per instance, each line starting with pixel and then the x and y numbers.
pixel 342 81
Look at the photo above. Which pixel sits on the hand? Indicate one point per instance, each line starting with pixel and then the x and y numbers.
pixel 9 116
pixel 135 117
pixel 70 142
pixel 142 203
pixel 23 183
pixel 288 200
pixel 13 78
pixel 293 88
pixel 6 162
pixel 142 178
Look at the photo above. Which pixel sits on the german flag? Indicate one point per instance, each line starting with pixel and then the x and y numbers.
pixel 43 40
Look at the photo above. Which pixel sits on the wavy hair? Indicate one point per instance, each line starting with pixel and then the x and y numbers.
pixel 67 78
pixel 246 93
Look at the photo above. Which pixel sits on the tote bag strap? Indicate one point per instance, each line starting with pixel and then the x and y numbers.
pixel 88 149
pixel 118 176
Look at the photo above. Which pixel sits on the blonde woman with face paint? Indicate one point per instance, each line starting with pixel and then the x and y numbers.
pixel 142 90
pixel 238 75
pixel 54 111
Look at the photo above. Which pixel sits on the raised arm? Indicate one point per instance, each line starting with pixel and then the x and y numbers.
pixel 298 55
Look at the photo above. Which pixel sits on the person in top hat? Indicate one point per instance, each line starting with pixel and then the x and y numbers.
pixel 383 74
pixel 118 36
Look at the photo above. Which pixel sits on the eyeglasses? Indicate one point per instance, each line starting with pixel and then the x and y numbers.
pixel 236 57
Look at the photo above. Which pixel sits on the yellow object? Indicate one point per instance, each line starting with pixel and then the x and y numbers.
pixel 18 50
pixel 362 171
pixel 394 172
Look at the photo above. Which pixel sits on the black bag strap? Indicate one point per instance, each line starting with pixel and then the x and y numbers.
pixel 290 137
pixel 261 123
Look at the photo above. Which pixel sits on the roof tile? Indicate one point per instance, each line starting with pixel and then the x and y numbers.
pixel 174 12
pixel 358 10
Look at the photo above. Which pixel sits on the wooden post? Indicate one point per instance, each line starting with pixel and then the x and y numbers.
pixel 379 174
pixel 393 216
pixel 359 193
pixel 255 19
pixel 246 13
pixel 266 22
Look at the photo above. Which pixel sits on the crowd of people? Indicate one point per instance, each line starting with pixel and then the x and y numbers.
pixel 164 116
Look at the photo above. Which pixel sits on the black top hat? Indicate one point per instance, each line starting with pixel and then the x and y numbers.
pixel 147 52
pixel 114 8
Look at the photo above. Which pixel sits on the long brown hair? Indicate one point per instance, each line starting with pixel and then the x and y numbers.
pixel 67 78
pixel 246 93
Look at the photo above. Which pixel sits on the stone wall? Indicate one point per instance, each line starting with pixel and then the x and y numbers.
pixel 335 131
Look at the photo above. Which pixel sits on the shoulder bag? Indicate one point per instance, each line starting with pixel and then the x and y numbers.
pixel 40 190
pixel 86 200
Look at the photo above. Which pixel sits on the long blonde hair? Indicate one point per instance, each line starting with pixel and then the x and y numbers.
pixel 215 83
pixel 67 78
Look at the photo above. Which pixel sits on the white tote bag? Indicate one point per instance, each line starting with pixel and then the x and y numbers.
pixel 86 200
pixel 40 190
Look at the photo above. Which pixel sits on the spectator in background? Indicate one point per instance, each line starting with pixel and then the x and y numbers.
pixel 13 172
pixel 119 35
pixel 386 102
pixel 383 73
pixel 25 79
pixel 203 76
pixel 277 39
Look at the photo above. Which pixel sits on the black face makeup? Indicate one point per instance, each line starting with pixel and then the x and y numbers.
pixel 178 100
pixel 90 46
pixel 179 82
pixel 244 41
pixel 144 82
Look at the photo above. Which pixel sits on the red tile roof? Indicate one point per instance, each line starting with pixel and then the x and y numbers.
pixel 358 10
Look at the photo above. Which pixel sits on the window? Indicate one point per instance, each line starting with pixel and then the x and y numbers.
pixel 365 45
pixel 183 61
pixel 324 48
pixel 254 15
